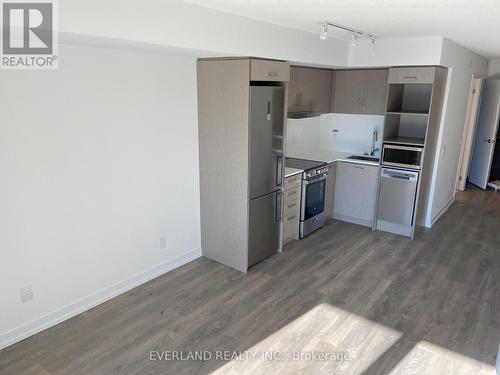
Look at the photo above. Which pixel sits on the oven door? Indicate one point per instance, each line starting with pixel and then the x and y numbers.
pixel 313 198
pixel 402 156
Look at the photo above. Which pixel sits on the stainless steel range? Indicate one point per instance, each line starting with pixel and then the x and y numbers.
pixel 312 205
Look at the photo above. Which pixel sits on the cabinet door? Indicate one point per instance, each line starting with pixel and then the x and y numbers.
pixel 375 93
pixel 330 183
pixel 355 195
pixel 291 226
pixel 293 90
pixel 310 89
pixel 412 75
pixel 269 70
pixel 349 88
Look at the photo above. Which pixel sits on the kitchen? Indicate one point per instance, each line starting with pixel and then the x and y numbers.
pixel 252 177
pixel 351 145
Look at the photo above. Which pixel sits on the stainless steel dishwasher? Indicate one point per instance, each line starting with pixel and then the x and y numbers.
pixel 396 202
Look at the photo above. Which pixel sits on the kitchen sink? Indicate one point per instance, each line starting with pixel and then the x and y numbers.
pixel 374 159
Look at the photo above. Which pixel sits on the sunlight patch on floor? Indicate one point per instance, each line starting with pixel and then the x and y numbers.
pixel 349 342
pixel 429 359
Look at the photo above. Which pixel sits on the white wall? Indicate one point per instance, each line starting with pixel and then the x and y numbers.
pixel 99 159
pixel 463 65
pixel 494 68
pixel 180 24
pixel 397 51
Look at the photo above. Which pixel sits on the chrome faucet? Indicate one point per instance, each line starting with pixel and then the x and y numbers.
pixel 374 140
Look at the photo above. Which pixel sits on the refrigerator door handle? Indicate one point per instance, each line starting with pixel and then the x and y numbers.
pixel 268 110
pixel 279 171
pixel 279 203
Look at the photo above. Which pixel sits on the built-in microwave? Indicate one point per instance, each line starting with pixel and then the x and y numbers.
pixel 403 156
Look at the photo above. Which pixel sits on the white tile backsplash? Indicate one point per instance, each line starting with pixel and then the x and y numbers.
pixel 334 132
pixel 302 135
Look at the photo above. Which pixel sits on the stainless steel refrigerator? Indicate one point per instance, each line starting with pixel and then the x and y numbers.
pixel 266 170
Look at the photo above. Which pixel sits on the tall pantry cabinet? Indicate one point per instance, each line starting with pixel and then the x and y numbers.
pixel 223 131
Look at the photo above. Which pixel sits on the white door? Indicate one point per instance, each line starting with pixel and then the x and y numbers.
pixel 486 134
pixel 469 132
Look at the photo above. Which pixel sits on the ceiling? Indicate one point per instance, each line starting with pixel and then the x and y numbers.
pixel 475 24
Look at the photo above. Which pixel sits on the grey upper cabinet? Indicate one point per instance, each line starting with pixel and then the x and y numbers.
pixel 412 75
pixel 310 89
pixel 360 91
pixel 269 70
pixel 375 96
pixel 349 87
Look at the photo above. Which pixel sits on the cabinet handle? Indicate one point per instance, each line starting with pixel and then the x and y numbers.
pixel 273 74
pixel 290 218
pixel 358 167
pixel 292 205
pixel 358 104
pixel 364 104
pixel 279 206
pixel 414 78
pixel 292 192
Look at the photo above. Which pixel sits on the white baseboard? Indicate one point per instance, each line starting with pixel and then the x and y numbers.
pixel 351 220
pixel 86 303
pixel 440 213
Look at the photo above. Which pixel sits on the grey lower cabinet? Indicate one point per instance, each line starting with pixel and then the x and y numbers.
pixel 330 190
pixel 291 207
pixel 360 91
pixel 356 188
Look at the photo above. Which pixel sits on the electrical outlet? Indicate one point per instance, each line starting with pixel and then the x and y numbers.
pixel 163 242
pixel 27 294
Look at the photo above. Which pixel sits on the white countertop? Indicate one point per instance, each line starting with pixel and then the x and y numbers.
pixel 329 156
pixel 326 156
pixel 292 171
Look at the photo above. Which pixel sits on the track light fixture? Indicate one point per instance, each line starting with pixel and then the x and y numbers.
pixel 372 43
pixel 356 34
pixel 355 39
pixel 324 31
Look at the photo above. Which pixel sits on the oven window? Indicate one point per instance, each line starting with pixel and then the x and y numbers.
pixel 315 199
pixel 407 157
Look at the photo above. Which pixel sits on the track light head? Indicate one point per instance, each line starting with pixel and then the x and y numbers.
pixel 324 31
pixel 372 43
pixel 355 39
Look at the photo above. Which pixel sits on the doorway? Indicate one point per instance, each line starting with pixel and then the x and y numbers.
pixel 495 165
pixel 469 133
pixel 486 134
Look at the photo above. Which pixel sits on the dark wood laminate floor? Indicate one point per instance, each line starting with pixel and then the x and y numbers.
pixel 431 305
